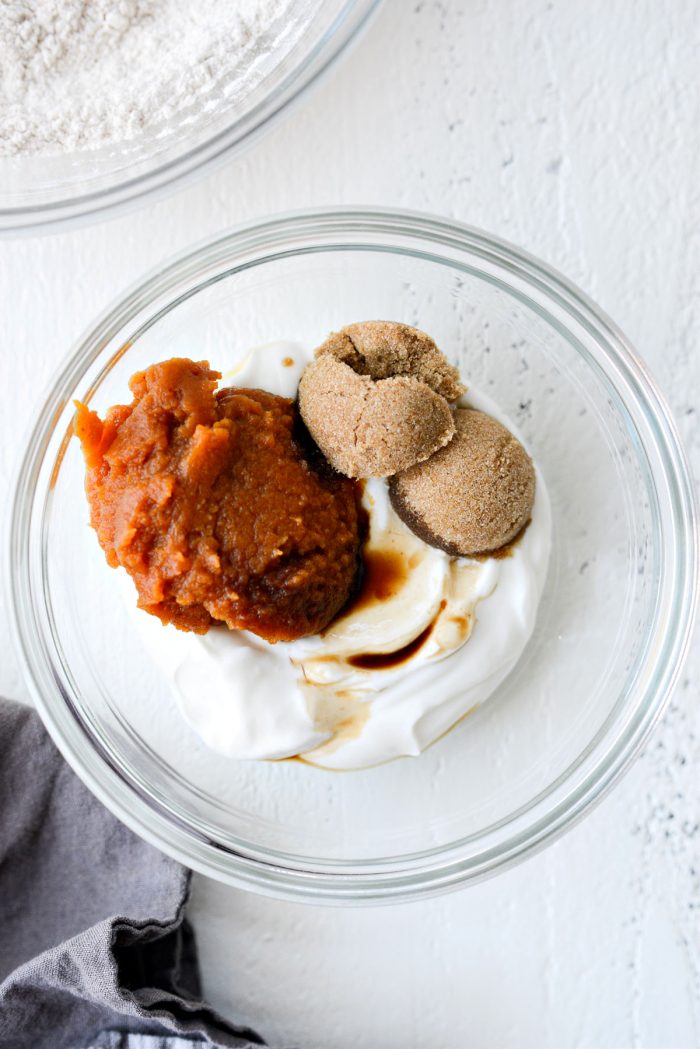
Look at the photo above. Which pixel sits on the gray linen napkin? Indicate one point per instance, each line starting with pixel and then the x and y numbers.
pixel 94 950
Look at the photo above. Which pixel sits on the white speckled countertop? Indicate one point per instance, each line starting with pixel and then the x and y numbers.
pixel 572 129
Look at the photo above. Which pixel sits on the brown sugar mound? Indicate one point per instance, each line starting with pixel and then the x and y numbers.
pixel 369 428
pixel 472 497
pixel 218 505
pixel 382 349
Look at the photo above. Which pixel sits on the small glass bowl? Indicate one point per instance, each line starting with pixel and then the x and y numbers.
pixel 613 625
pixel 41 193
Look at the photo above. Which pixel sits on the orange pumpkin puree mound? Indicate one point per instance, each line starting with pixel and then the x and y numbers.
pixel 218 506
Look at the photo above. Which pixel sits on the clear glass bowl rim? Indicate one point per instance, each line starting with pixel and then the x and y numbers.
pixel 190 164
pixel 303 232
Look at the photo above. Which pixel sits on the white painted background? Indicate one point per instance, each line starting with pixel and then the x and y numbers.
pixel 571 127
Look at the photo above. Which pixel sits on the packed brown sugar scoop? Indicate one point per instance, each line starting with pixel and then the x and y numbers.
pixel 377 400
pixel 219 506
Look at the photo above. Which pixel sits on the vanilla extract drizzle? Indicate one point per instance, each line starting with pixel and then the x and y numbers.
pixel 385 660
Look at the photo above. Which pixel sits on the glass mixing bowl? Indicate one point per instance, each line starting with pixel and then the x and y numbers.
pixel 613 624
pixel 45 192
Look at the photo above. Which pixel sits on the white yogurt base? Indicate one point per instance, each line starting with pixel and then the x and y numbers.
pixel 250 699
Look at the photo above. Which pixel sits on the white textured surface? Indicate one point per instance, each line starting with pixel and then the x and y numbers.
pixel 571 129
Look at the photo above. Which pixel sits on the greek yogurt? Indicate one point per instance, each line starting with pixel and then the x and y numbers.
pixel 427 644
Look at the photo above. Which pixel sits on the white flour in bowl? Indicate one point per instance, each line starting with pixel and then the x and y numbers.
pixel 81 74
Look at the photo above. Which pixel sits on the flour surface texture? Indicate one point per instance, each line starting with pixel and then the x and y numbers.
pixel 84 74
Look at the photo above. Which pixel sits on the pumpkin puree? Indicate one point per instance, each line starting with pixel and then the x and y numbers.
pixel 219 506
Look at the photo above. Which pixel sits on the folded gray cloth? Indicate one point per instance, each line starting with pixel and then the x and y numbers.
pixel 94 950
